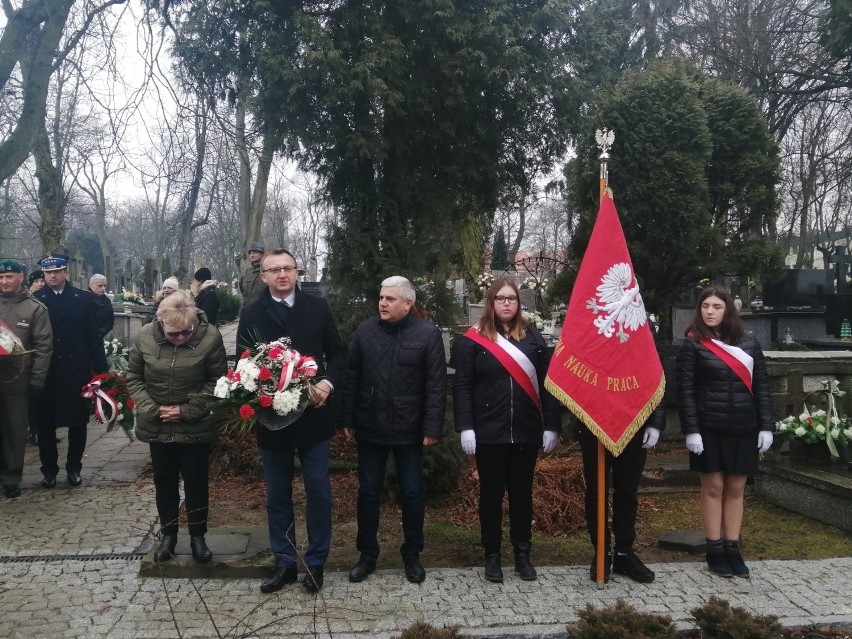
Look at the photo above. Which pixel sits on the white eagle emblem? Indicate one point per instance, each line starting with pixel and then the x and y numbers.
pixel 619 300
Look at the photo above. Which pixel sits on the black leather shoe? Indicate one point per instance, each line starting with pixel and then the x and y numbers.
pixel 280 578
pixel 493 569
pixel 200 552
pixel 312 581
pixel 166 549
pixel 717 562
pixel 735 559
pixel 49 481
pixel 12 490
pixel 414 571
pixel 630 565
pixel 523 565
pixel 74 479
pixel 363 569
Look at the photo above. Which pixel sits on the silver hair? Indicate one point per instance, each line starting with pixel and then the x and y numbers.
pixel 97 277
pixel 406 288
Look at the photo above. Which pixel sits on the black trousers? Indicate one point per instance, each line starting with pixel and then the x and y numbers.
pixel 505 468
pixel 171 462
pixel 61 405
pixel 623 475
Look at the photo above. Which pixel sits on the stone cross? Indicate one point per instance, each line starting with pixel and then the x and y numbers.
pixel 841 261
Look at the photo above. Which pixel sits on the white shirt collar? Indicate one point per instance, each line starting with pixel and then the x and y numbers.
pixel 289 299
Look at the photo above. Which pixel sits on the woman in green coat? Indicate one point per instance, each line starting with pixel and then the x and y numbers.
pixel 172 360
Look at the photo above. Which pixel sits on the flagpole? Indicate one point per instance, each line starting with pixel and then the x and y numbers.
pixel 604 138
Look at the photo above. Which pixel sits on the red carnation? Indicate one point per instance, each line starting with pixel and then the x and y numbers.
pixel 264 374
pixel 265 401
pixel 246 353
pixel 246 411
pixel 130 403
pixel 112 392
pixel 275 352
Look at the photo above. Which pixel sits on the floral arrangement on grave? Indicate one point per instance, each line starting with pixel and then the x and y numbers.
pixel 10 344
pixel 534 318
pixel 116 355
pixel 483 283
pixel 533 283
pixel 130 297
pixel 271 385
pixel 820 426
pixel 111 402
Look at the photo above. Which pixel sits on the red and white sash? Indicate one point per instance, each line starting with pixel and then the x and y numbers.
pixel 513 360
pixel 735 358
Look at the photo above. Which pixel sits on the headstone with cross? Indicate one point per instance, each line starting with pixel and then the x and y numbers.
pixel 841 261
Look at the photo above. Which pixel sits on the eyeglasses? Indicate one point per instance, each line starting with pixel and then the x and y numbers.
pixel 176 334
pixel 506 299
pixel 275 270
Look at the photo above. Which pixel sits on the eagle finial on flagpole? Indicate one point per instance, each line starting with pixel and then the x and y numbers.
pixel 605 139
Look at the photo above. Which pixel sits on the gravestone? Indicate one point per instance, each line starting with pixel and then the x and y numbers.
pixel 837 309
pixel 842 262
pixel 798 287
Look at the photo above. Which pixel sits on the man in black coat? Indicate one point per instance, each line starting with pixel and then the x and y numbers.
pixel 78 354
pixel 396 393
pixel 105 315
pixel 285 311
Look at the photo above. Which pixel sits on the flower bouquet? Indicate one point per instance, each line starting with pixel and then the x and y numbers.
pixel 116 355
pixel 130 297
pixel 10 344
pixel 533 283
pixel 270 386
pixel 111 401
pixel 818 426
pixel 484 282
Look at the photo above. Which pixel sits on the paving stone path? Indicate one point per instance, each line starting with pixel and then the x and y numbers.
pixel 70 558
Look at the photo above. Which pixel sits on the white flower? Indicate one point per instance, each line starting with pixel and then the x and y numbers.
pixel 223 388
pixel 848 433
pixel 835 420
pixel 820 429
pixel 119 405
pixel 782 427
pixel 286 401
pixel 804 417
pixel 835 433
pixel 818 413
pixel 119 417
pixel 800 431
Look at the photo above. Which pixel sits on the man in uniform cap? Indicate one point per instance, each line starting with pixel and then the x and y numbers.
pixel 21 376
pixel 78 352
pixel 251 286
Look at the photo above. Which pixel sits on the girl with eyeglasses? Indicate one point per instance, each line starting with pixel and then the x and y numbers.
pixel 171 362
pixel 504 415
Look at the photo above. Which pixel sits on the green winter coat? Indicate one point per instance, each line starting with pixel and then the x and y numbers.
pixel 29 320
pixel 162 374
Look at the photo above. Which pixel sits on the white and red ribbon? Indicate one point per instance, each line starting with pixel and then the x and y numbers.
pixel 93 391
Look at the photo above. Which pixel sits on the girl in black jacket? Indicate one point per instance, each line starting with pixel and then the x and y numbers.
pixel 726 415
pixel 504 419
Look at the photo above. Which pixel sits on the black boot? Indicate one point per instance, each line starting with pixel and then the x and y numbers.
pixel 628 564
pixel 493 569
pixel 523 565
pixel 166 550
pixel 200 552
pixel 717 561
pixel 735 559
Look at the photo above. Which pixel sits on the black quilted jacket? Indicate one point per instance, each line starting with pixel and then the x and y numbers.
pixel 396 381
pixel 711 396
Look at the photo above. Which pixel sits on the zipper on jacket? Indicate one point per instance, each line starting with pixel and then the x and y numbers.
pixel 511 409
pixel 171 377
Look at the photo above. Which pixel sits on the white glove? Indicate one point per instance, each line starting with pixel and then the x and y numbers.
pixel 651 437
pixel 549 440
pixel 694 443
pixel 468 441
pixel 764 441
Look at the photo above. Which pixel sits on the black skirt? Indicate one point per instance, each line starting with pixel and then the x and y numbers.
pixel 727 453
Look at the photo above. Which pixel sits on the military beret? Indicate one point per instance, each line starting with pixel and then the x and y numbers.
pixel 10 266
pixel 51 263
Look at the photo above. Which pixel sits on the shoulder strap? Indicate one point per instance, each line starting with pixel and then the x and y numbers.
pixel 513 360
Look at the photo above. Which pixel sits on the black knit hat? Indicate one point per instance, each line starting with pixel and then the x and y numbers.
pixel 38 274
pixel 203 274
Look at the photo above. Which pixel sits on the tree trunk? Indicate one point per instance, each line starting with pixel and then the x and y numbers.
pixel 191 197
pixel 51 197
pixel 522 223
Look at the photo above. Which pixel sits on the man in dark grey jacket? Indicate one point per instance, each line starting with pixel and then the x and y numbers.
pixel 396 394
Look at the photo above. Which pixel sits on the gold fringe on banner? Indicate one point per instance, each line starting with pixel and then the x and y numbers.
pixel 614 447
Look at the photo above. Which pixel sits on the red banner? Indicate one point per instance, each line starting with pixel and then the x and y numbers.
pixel 605 368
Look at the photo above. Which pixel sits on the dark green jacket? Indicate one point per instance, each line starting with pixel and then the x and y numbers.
pixel 29 320
pixel 162 374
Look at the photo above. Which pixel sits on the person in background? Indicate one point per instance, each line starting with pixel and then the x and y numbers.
pixel 504 415
pixel 204 291
pixel 78 353
pixel 105 316
pixel 250 284
pixel 170 285
pixel 624 474
pixel 36 280
pixel 22 378
pixel 726 414
pixel 396 393
pixel 284 310
pixel 172 361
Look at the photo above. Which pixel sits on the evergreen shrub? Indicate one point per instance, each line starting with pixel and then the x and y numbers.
pixel 229 304
pixel 621 621
pixel 423 630
pixel 719 620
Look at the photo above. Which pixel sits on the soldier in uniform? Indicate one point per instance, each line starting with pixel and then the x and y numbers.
pixel 78 353
pixel 21 376
pixel 251 286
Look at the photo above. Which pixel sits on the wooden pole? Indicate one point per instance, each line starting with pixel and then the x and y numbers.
pixel 604 140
